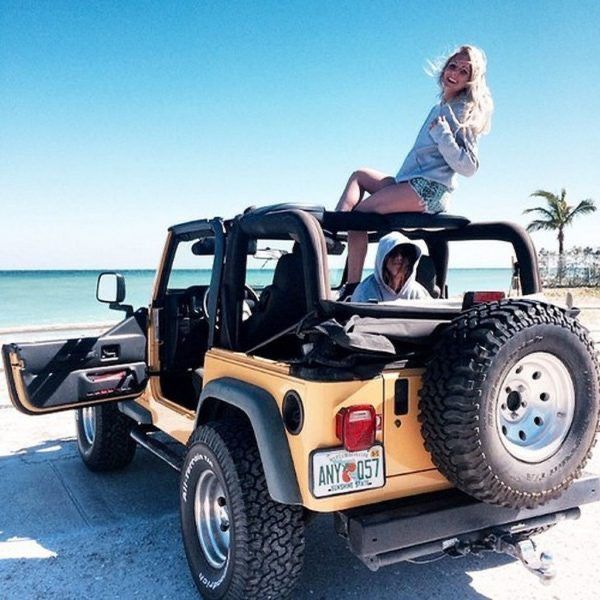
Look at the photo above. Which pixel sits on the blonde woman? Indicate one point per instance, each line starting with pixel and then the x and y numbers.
pixel 445 146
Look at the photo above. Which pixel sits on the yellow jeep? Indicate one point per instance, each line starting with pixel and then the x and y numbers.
pixel 448 425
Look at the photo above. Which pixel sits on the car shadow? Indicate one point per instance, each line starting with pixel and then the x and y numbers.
pixel 68 532
pixel 331 571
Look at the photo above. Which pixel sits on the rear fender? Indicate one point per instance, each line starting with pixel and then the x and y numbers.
pixel 263 413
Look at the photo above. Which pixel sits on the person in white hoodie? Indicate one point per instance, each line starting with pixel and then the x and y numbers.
pixel 395 272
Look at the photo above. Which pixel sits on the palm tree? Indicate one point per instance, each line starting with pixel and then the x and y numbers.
pixel 557 214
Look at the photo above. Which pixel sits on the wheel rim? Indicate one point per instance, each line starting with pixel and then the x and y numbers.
pixel 535 407
pixel 88 417
pixel 211 514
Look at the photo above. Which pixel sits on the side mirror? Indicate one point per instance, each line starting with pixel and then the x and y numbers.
pixel 110 288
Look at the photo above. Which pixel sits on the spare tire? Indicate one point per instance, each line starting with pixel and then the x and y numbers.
pixel 509 405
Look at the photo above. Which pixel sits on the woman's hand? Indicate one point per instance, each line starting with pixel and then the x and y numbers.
pixel 441 120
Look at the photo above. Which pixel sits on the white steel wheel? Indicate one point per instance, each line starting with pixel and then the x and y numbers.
pixel 211 514
pixel 510 402
pixel 88 418
pixel 238 541
pixel 535 407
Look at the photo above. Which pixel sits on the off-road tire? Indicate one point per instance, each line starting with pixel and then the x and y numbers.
pixel 459 401
pixel 266 544
pixel 111 447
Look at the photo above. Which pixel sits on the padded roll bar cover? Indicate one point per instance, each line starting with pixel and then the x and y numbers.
pixel 316 211
pixel 348 221
pixel 309 234
pixel 264 416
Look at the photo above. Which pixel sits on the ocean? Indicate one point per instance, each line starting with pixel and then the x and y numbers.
pixel 34 298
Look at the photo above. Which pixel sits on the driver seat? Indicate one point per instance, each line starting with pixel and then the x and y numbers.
pixel 281 304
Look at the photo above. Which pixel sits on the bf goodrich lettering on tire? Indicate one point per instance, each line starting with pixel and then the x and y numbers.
pixel 186 475
pixel 238 541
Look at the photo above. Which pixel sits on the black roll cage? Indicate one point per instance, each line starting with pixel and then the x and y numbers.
pixel 308 226
pixel 436 231
pixel 190 231
pixel 298 225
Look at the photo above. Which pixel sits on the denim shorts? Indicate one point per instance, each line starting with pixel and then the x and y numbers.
pixel 435 195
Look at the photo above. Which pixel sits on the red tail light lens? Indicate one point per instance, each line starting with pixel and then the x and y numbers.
pixel 472 298
pixel 355 426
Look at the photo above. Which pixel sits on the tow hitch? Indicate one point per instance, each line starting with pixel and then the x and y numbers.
pixel 430 526
pixel 537 561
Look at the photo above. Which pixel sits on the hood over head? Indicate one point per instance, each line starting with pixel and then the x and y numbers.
pixel 386 244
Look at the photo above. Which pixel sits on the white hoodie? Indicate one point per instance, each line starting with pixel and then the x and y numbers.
pixel 374 288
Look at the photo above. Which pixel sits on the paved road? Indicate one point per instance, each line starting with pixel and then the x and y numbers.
pixel 68 533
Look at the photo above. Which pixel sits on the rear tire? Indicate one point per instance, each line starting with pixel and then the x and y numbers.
pixel 240 544
pixel 103 438
pixel 510 402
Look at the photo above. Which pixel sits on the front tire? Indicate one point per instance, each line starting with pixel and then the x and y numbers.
pixel 103 438
pixel 240 544
pixel 510 402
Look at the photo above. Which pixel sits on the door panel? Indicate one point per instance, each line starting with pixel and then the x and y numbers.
pixel 45 377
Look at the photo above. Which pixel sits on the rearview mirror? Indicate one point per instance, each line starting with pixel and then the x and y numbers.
pixel 110 288
pixel 334 247
pixel 206 247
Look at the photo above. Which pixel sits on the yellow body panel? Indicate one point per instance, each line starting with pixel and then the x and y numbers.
pixel 176 421
pixel 409 470
pixel 403 441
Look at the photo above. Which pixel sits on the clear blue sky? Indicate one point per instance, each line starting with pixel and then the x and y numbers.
pixel 118 119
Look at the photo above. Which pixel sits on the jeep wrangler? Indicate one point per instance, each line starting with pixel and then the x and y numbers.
pixel 447 425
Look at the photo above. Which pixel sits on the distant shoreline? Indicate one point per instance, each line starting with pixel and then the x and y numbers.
pixel 56 327
pixel 189 269
pixel 587 299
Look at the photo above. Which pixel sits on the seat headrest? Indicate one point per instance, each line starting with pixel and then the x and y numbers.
pixel 289 274
pixel 426 275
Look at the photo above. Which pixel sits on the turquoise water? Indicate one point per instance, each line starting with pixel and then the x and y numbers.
pixel 53 297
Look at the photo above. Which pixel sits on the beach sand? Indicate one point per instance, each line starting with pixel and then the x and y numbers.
pixel 585 298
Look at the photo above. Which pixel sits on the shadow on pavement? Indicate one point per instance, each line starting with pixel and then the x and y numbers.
pixel 331 572
pixel 66 532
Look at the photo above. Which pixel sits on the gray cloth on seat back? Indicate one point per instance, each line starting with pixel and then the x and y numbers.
pixel 426 275
pixel 282 304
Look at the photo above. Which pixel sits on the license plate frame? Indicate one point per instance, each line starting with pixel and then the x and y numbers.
pixel 328 465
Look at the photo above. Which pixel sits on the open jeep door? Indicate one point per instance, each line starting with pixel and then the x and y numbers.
pixel 45 377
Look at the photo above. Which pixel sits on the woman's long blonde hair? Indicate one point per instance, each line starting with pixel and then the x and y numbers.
pixel 479 106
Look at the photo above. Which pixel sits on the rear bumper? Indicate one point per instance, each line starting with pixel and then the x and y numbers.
pixel 421 525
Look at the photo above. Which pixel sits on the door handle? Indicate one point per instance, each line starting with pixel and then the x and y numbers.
pixel 109 352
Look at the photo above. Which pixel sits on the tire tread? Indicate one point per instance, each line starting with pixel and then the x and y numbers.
pixel 450 396
pixel 273 544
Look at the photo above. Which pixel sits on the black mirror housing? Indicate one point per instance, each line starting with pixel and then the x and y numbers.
pixel 110 287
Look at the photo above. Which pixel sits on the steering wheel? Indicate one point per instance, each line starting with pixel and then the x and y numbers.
pixel 195 300
pixel 249 294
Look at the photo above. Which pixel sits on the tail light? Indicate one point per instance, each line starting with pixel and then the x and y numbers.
pixel 472 298
pixel 355 426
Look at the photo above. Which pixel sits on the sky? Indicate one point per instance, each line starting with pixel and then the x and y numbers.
pixel 119 119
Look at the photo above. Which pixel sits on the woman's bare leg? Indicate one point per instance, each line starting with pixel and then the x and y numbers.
pixel 361 181
pixel 357 251
pixel 390 199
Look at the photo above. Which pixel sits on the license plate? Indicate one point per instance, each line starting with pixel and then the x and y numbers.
pixel 338 471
